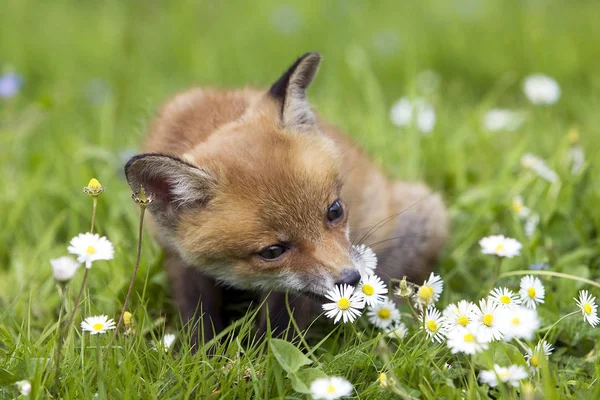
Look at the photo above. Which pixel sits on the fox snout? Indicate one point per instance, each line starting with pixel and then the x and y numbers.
pixel 348 276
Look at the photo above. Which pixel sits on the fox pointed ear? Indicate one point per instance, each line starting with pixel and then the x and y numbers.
pixel 290 92
pixel 170 181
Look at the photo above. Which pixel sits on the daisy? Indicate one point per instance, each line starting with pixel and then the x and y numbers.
pixel 532 291
pixel 459 315
pixel 502 120
pixel 464 340
pixel 346 304
pixel 397 331
pixel 577 158
pixel 24 387
pixel 166 342
pixel 10 84
pixel 405 112
pixel 538 166
pixel 511 375
pixel 384 314
pixel 519 322
pixel 541 89
pixel 488 319
pixel 433 323
pixel 99 324
pixel 504 297
pixel 588 306
pixel 372 290
pixel 330 388
pixel 429 292
pixel 90 247
pixel 500 246
pixel 519 207
pixel 64 268
pixel 542 349
pixel 367 260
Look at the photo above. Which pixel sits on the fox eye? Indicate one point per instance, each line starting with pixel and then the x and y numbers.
pixel 335 211
pixel 272 253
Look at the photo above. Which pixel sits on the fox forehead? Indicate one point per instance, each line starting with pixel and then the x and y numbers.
pixel 273 187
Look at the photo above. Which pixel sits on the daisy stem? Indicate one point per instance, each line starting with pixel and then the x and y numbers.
pixel 548 329
pixel 63 305
pixel 100 373
pixel 135 270
pixel 94 205
pixel 496 272
pixel 523 346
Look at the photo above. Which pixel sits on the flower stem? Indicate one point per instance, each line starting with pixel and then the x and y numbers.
pixel 496 272
pixel 94 206
pixel 135 270
pixel 557 322
pixel 100 372
pixel 63 305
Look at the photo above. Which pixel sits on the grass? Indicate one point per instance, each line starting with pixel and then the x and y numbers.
pixel 95 72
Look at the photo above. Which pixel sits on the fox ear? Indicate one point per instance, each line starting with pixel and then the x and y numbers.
pixel 170 181
pixel 290 92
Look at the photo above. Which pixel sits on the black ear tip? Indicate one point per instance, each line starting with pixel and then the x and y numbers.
pixel 312 55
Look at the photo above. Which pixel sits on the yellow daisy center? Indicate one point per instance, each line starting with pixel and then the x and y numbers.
pixel 469 338
pixel 487 319
pixel 425 292
pixel 516 321
pixel 384 313
pixel 531 292
pixel 90 250
pixel 432 326
pixel 517 207
pixel 330 388
pixel 587 308
pixel 534 361
pixel 505 299
pixel 368 290
pixel 343 303
pixel 463 321
pixel 97 327
pixel 499 247
pixel 504 375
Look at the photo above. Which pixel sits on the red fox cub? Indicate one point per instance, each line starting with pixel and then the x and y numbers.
pixel 254 191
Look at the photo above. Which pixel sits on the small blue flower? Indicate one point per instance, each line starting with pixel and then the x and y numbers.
pixel 538 266
pixel 10 84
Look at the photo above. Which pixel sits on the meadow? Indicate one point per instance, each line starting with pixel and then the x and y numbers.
pixel 91 75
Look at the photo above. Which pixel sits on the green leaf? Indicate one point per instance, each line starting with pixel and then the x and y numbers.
pixel 288 356
pixel 6 377
pixel 302 379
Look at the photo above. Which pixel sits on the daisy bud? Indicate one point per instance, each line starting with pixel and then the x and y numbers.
pixel 64 268
pixel 406 289
pixel 127 319
pixel 141 198
pixel 383 380
pixel 24 387
pixel 94 188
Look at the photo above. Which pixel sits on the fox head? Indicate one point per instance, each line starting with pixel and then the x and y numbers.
pixel 258 203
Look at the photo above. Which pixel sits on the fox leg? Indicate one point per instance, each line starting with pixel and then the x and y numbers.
pixel 417 236
pixel 198 298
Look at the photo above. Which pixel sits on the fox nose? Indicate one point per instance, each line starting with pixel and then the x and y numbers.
pixel 349 277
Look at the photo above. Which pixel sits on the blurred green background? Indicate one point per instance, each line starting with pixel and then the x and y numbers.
pixel 94 73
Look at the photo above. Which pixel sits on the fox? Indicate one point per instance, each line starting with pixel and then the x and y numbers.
pixel 255 193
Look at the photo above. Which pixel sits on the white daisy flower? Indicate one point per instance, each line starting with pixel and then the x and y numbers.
pixel 397 331
pixel 459 315
pixel 465 340
pixel 519 207
pixel 533 356
pixel 429 292
pixel 532 291
pixel 502 120
pixel 90 247
pixel 166 342
pixel 346 304
pixel 488 319
pixel 64 268
pixel 372 290
pixel 588 306
pixel 505 297
pixel 367 260
pixel 511 375
pixel 330 388
pixel 539 166
pixel 577 158
pixel 405 112
pixel 433 323
pixel 98 324
pixel 500 246
pixel 541 89
pixel 383 315
pixel 24 387
pixel 519 322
